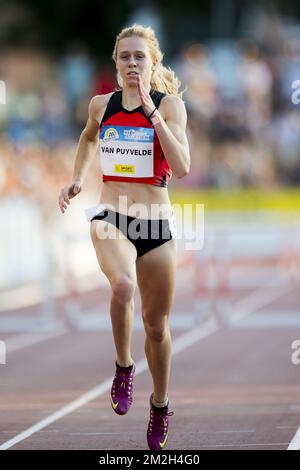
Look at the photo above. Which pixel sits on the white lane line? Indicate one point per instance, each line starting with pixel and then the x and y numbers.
pixel 179 344
pixel 102 433
pixel 238 431
pixel 226 431
pixel 252 303
pixel 258 299
pixel 295 442
pixel 139 432
pixel 286 427
pixel 29 339
pixel 184 341
pixel 247 445
pixel 276 320
pixel 14 432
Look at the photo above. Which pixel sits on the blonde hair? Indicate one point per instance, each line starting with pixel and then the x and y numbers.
pixel 163 79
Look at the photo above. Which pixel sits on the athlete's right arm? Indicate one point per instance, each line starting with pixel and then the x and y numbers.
pixel 86 150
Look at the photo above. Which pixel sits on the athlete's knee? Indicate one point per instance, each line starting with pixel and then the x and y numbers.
pixel 123 288
pixel 157 333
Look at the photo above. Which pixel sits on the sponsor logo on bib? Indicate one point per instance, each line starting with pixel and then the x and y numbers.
pixel 110 134
pixel 124 169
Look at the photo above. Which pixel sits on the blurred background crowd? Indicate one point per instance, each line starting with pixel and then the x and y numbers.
pixel 239 64
pixel 243 127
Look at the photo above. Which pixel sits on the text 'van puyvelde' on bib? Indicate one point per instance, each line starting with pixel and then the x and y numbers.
pixel 124 147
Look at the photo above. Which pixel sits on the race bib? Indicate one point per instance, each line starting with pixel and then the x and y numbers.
pixel 127 151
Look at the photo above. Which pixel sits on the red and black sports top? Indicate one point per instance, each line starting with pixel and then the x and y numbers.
pixel 130 150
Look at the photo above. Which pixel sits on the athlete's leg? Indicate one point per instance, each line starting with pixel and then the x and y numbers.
pixel 117 258
pixel 156 280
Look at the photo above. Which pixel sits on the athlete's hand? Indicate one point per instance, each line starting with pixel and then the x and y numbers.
pixel 67 193
pixel 146 99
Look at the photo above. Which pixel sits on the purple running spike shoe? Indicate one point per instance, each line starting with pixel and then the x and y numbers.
pixel 158 427
pixel 121 390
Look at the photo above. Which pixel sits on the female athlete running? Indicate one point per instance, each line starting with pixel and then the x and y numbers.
pixel 142 141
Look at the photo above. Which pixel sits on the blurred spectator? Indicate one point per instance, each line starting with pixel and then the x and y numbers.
pixel 257 82
pixel 243 128
pixel 194 70
pixel 76 71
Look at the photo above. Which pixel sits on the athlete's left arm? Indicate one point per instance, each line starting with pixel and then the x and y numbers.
pixel 171 131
